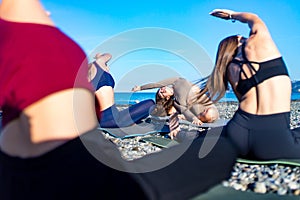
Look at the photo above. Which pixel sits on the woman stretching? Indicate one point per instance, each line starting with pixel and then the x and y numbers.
pixel 179 92
pixel 258 75
pixel 108 114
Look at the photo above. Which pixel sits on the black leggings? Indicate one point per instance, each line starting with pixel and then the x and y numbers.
pixel 264 136
pixel 75 170
pixel 113 118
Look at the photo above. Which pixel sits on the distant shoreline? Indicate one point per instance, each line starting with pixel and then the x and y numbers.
pixel 223 102
pixel 130 98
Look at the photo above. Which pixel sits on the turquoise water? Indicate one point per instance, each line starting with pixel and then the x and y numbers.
pixel 125 98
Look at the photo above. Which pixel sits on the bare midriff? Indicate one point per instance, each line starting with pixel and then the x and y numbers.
pixel 49 122
pixel 272 96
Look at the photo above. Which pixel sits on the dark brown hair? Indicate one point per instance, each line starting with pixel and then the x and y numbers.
pixel 163 106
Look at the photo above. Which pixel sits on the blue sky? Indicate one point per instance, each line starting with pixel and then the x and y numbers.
pixel 152 40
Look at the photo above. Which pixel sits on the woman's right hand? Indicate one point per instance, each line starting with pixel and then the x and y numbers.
pixel 197 121
pixel 136 88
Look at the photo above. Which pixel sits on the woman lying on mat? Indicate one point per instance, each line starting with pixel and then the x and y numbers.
pixel 179 93
pixel 259 77
pixel 108 114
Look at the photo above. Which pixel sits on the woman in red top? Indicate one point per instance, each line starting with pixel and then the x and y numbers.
pixel 47 103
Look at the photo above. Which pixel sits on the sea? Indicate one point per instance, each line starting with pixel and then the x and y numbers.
pixel 129 98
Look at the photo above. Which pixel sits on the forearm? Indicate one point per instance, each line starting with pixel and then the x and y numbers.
pixel 191 117
pixel 245 17
pixel 159 84
pixel 150 86
pixel 203 100
pixel 185 111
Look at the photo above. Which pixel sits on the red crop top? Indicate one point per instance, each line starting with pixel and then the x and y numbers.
pixel 36 60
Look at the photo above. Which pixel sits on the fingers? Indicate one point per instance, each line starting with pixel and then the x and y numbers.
pixel 222 13
pixel 135 88
pixel 197 122
pixel 174 133
pixel 215 11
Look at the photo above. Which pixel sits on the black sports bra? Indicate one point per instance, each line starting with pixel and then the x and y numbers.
pixel 266 70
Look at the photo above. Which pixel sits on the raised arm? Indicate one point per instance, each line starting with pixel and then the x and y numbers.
pixel 253 21
pixel 159 84
pixel 260 44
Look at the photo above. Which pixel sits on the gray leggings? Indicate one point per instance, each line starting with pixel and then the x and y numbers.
pixel 264 136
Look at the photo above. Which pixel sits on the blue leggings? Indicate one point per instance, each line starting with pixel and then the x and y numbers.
pixel 264 136
pixel 113 118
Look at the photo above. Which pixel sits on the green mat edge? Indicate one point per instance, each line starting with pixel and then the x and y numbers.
pixel 293 162
pixel 169 144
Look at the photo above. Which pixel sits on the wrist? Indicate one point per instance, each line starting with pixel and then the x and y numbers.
pixel 231 17
pixel 195 118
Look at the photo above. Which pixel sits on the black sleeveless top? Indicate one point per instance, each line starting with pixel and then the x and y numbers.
pixel 266 70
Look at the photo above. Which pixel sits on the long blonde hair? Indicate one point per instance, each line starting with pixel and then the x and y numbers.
pixel 217 83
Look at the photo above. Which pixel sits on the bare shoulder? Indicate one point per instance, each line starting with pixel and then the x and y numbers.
pixel 261 47
pixel 32 12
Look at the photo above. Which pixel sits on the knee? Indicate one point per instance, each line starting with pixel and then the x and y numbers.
pixel 150 102
pixel 210 115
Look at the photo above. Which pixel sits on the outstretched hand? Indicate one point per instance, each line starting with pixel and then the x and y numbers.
pixel 222 13
pixel 136 88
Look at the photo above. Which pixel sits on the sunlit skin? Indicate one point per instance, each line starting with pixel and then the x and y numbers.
pixel 276 89
pixel 42 126
pixel 105 94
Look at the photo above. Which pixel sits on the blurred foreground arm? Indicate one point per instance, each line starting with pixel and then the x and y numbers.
pixel 30 11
